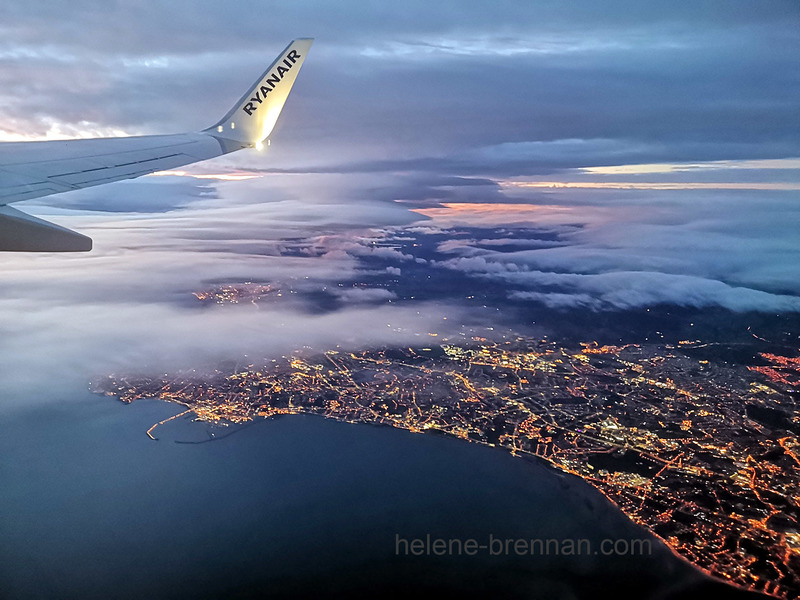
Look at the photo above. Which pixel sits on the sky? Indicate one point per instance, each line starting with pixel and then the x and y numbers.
pixel 654 148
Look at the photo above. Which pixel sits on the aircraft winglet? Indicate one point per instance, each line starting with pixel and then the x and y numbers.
pixel 253 117
pixel 35 169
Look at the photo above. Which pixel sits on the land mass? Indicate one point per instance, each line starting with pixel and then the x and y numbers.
pixel 702 451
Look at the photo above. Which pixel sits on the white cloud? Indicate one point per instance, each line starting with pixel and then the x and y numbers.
pixel 741 252
pixel 635 289
pixel 127 305
pixel 364 295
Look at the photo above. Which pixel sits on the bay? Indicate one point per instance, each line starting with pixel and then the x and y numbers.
pixel 296 507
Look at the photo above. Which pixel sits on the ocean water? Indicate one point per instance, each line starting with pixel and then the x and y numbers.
pixel 294 507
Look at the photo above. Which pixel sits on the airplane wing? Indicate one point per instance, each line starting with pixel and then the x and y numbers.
pixel 35 169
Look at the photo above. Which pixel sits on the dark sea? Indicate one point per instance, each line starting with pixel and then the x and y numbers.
pixel 296 507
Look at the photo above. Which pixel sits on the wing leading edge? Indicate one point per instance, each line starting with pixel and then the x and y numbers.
pixel 35 169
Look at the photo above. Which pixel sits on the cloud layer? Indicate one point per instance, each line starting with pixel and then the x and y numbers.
pixel 627 249
pixel 129 304
pixel 452 109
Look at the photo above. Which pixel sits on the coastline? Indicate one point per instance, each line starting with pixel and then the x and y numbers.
pixel 535 460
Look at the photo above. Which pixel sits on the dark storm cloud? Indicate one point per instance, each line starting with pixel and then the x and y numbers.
pixel 557 157
pixel 422 189
pixel 193 24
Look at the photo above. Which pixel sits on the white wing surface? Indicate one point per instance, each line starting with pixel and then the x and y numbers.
pixel 35 169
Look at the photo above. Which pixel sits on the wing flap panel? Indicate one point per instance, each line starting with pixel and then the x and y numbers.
pixel 21 232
